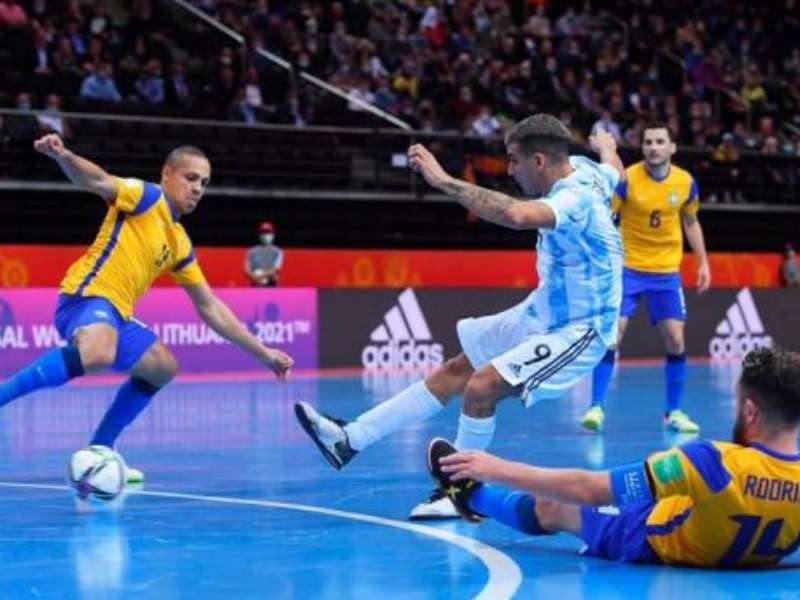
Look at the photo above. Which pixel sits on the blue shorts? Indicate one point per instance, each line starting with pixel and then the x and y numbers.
pixel 134 338
pixel 662 291
pixel 618 533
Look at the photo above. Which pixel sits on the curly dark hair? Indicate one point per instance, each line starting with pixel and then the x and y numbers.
pixel 771 377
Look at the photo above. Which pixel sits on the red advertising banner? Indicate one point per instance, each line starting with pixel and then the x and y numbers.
pixel 43 266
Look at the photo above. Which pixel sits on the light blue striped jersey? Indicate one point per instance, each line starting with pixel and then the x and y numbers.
pixel 580 260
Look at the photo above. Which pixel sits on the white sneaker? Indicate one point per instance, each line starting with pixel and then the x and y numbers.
pixel 327 433
pixel 437 507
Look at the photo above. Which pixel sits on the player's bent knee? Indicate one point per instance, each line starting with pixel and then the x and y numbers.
pixel 480 396
pixel 97 356
pixel 167 364
pixel 457 367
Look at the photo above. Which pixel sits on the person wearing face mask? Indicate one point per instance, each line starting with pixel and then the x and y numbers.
pixel 263 263
pixel 140 238
pixel 705 503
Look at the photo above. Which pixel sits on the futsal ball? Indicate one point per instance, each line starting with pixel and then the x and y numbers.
pixel 97 472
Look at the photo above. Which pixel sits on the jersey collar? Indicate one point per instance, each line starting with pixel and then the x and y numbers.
pixel 176 214
pixel 653 177
pixel 775 454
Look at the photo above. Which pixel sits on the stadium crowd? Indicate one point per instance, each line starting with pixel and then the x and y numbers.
pixel 725 74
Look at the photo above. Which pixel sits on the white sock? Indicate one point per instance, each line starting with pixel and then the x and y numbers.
pixel 414 404
pixel 474 434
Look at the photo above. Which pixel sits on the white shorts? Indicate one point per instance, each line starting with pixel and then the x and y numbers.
pixel 542 364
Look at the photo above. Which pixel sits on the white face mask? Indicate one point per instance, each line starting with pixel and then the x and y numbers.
pixel 267 238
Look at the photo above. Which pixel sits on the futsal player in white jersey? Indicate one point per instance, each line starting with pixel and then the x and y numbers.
pixel 538 348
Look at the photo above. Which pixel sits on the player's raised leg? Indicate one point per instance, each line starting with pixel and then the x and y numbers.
pixel 339 440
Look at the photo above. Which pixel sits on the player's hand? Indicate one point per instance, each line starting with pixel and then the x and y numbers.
pixel 472 465
pixel 423 162
pixel 280 362
pixel 50 145
pixel 703 278
pixel 602 140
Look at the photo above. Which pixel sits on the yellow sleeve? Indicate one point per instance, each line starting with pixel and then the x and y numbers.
pixel 692 203
pixel 135 196
pixel 188 271
pixel 694 469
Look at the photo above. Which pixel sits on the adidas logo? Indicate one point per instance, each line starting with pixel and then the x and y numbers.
pixel 740 331
pixel 403 340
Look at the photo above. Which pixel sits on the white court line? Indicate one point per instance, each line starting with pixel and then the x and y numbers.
pixel 504 578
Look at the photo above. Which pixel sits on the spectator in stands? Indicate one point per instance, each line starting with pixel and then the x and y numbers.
pixel 241 110
pixel 76 38
pixel 22 126
pixel 150 85
pixel 100 85
pixel 263 262
pixel 177 91
pixel 12 14
pixel 790 270
pixel 51 120
pixel 606 123
pixel 726 157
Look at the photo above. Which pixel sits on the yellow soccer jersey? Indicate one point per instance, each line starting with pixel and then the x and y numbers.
pixel 724 505
pixel 650 217
pixel 139 239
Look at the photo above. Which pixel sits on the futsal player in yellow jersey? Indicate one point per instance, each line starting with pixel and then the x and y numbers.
pixel 707 504
pixel 654 203
pixel 140 238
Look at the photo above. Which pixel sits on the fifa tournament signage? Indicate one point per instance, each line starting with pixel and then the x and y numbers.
pixel 280 318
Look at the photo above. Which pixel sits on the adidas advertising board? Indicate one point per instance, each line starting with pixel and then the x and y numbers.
pixel 400 329
pixel 415 330
pixel 403 340
pixel 740 331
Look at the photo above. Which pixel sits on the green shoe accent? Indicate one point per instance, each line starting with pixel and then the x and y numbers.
pixel 679 421
pixel 593 419
pixel 133 476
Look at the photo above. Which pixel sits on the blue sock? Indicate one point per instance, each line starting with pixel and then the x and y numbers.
pixel 55 368
pixel 601 377
pixel 132 398
pixel 515 509
pixel 675 375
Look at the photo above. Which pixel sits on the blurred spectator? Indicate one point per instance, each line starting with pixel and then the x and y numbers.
pixel 51 119
pixel 12 14
pixel 790 270
pixel 263 263
pixel 100 85
pixel 150 85
pixel 726 157
pixel 606 123
pixel 22 126
pixel 177 92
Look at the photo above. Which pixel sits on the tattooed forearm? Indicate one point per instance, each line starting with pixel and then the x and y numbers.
pixel 487 204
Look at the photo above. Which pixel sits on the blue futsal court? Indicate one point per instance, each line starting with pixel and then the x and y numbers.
pixel 239 504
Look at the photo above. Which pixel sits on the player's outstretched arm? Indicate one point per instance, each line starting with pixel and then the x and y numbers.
pixel 605 145
pixel 222 320
pixel 80 171
pixel 495 207
pixel 573 486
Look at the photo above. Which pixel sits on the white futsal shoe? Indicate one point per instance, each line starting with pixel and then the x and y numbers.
pixel 437 507
pixel 327 433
